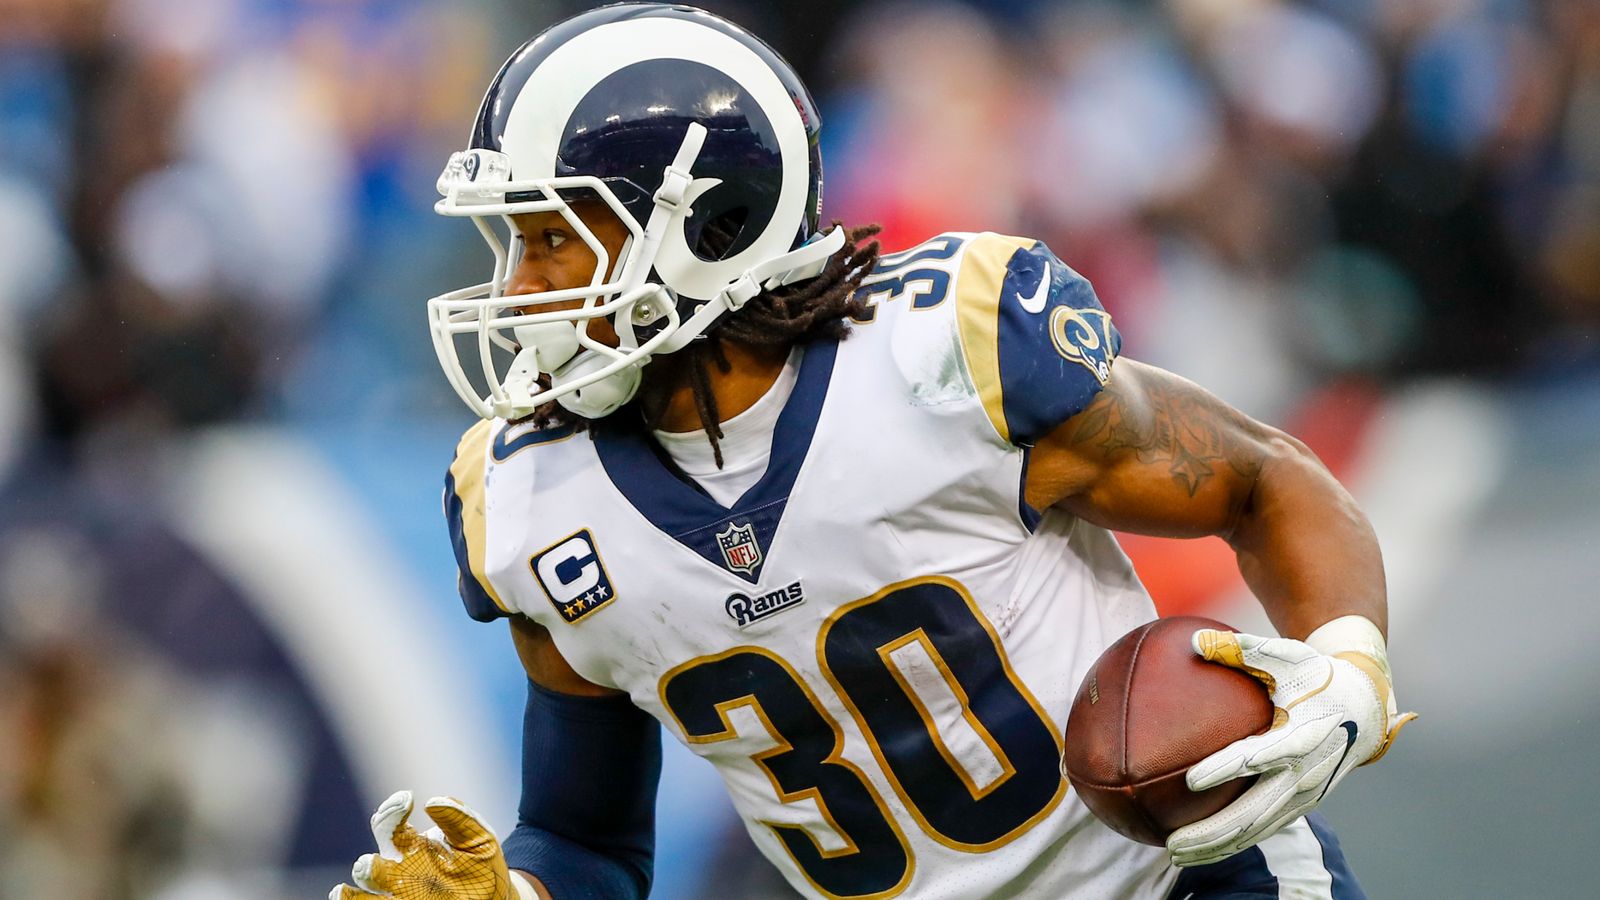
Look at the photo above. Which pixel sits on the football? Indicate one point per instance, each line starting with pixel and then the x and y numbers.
pixel 1148 709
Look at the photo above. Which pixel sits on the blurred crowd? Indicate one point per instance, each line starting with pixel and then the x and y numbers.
pixel 214 210
pixel 198 200
pixel 1268 195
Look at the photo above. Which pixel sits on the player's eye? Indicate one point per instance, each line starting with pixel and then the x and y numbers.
pixel 555 238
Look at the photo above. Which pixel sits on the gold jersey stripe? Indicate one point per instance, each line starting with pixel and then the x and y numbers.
pixel 983 271
pixel 467 471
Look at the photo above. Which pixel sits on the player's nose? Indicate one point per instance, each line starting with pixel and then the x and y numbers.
pixel 528 279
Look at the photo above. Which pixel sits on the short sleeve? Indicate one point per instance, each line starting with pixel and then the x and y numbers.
pixel 1037 343
pixel 464 511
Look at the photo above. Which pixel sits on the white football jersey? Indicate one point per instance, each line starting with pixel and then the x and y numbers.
pixel 878 644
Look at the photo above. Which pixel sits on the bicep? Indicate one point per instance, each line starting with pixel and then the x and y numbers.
pixel 544 663
pixel 1154 454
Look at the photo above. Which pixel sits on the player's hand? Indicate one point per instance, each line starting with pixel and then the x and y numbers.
pixel 458 860
pixel 1333 713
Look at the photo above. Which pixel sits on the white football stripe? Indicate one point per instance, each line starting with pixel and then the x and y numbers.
pixel 409 711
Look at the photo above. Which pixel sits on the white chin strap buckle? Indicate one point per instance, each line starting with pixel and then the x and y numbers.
pixel 521 391
pixel 805 261
pixel 675 185
pixel 736 295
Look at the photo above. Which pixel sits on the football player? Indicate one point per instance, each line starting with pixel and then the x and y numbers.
pixel 838 520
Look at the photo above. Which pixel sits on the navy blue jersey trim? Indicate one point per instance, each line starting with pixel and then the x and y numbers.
pixel 1345 886
pixel 686 513
pixel 479 604
pixel 1243 876
pixel 503 449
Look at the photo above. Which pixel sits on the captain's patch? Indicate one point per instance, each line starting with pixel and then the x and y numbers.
pixel 573 577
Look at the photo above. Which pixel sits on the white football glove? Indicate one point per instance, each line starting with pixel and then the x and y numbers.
pixel 458 860
pixel 1332 713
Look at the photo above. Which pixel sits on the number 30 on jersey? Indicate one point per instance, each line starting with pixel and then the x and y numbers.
pixel 972 785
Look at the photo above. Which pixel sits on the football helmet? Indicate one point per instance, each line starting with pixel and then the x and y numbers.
pixel 697 135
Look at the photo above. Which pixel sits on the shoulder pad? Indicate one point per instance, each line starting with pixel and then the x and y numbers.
pixel 1037 343
pixel 464 510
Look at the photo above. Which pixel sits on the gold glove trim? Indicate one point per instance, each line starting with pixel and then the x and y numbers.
pixel 1223 647
pixel 1373 670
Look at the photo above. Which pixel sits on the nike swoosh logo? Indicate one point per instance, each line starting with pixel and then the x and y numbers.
pixel 1349 741
pixel 1034 302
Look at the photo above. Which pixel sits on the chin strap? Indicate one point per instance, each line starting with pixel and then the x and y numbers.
pixel 600 397
pixel 603 395
pixel 806 261
pixel 670 200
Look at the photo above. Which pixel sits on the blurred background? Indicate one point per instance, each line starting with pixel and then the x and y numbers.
pixel 228 623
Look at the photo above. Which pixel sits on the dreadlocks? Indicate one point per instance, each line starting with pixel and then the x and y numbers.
pixel 810 310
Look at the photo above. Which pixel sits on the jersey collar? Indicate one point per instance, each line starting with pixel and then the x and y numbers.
pixel 739 538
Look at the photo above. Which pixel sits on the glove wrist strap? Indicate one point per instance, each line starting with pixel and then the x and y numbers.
pixel 1352 634
pixel 1357 641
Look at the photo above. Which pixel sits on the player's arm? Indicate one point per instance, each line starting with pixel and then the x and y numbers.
pixel 1131 447
pixel 1155 454
pixel 1134 448
pixel 591 762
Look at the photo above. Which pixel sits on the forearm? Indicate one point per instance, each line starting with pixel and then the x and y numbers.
pixel 1155 454
pixel 569 870
pixel 1305 548
pixel 585 825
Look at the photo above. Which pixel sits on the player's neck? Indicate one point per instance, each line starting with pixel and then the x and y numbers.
pixel 752 372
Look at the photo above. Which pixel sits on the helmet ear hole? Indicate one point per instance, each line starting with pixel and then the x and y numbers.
pixel 720 234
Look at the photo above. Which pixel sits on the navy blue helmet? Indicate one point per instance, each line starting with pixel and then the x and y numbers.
pixel 695 133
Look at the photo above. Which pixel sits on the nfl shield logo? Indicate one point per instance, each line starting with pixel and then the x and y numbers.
pixel 739 548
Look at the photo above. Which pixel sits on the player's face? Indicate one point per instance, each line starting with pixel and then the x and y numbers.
pixel 555 258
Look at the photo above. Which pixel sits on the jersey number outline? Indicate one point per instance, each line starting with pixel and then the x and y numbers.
pixel 874 653
pixel 927 286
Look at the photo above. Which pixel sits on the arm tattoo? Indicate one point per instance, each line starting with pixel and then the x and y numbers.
pixel 1178 425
